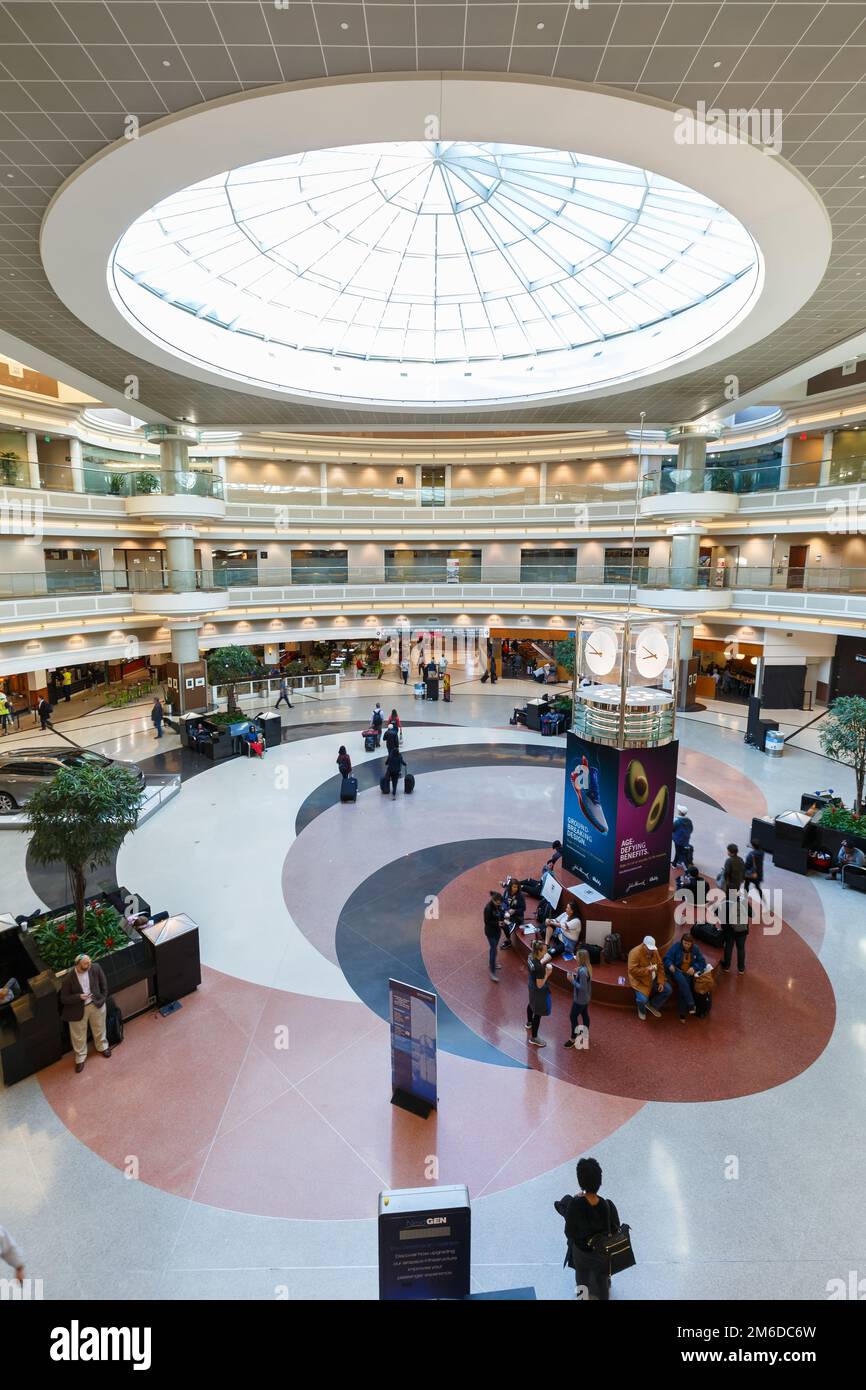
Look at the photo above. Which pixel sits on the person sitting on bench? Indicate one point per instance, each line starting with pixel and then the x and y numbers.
pixel 563 934
pixel 849 857
pixel 513 911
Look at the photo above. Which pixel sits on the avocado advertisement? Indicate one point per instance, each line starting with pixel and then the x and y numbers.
pixel 618 813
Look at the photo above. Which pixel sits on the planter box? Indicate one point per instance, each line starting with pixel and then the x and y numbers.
pixel 831 839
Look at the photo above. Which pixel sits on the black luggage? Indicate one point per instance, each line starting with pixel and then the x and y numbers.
pixel 485 678
pixel 532 886
pixel 703 1004
pixel 409 783
pixel 113 1024
pixel 708 934
pixel 594 953
pixel 349 789
pixel 369 743
pixel 384 784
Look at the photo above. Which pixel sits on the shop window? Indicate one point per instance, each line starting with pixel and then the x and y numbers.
pixel 548 566
pixel 320 566
pixel 618 565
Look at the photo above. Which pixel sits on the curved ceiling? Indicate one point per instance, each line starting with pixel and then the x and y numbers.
pixel 434 273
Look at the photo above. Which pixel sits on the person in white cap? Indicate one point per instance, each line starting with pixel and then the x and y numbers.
pixel 646 975
pixel 681 834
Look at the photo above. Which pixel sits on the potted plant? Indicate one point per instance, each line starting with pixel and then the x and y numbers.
pixel 80 819
pixel 9 467
pixel 843 737
pixel 117 484
pixel 146 483
pixel 226 666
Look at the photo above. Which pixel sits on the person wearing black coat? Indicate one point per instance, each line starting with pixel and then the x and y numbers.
pixel 492 929
pixel 513 911
pixel 344 762
pixel 588 1215
pixel 393 768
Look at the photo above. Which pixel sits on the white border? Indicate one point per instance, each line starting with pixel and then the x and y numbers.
pixel 84 220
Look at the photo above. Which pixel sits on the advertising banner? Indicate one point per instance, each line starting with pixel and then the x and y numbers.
pixel 412 1014
pixel 618 814
pixel 424 1243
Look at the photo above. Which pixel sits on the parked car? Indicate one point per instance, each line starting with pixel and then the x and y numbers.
pixel 22 770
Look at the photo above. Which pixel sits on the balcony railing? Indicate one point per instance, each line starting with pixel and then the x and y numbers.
pixel 811 579
pixel 98 482
pixel 762 477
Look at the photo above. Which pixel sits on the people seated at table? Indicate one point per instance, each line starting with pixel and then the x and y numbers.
pixel 684 961
pixel 646 975
pixel 513 910
pixel 563 933
pixel 849 857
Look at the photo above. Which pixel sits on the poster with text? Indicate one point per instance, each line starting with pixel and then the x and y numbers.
pixel 413 1041
pixel 618 814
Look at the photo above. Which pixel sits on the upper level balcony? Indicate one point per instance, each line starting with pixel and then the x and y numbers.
pixel 152 494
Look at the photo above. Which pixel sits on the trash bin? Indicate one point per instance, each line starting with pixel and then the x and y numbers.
pixel 272 726
pixel 774 743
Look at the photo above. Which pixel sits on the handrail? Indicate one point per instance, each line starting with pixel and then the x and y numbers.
pixel 143 481
pixel 810 578
pixel 758 477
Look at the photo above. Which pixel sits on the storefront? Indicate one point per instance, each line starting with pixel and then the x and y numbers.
pixel 727 670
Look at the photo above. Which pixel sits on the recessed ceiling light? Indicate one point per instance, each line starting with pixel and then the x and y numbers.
pixel 344 25
pixel 166 63
pixel 717 63
pixel 540 25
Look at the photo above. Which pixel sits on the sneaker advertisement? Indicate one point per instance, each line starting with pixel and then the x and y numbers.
pixel 618 815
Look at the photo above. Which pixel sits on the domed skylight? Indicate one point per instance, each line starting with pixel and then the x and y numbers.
pixel 435 274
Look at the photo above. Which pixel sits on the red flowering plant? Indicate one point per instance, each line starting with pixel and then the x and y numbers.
pixel 58 941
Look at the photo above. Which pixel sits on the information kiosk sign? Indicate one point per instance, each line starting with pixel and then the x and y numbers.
pixel 424 1243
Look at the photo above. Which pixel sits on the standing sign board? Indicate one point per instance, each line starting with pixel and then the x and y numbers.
pixel 412 1014
pixel 424 1243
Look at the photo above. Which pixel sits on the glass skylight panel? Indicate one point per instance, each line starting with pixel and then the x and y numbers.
pixel 450 255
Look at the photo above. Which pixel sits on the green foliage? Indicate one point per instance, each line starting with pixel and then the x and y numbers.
pixel 9 467
pixel 832 818
pixel 225 718
pixel 843 737
pixel 146 483
pixel 563 654
pixel 81 818
pixel 117 484
pixel 225 665
pixel 294 668
pixel 59 939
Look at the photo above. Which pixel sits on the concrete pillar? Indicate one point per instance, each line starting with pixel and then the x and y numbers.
pixel 33 459
pixel 323 484
pixel 542 482
pixel 687 638
pixel 37 686
pixel 173 458
pixel 76 464
pixel 685 549
pixel 785 468
pixel 184 643
pixel 826 457
pixel 180 556
pixel 692 461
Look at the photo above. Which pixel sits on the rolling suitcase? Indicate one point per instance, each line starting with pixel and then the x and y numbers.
pixel 349 789
pixel 409 783
pixel 371 740
pixel 384 784
pixel 708 934
pixel 113 1024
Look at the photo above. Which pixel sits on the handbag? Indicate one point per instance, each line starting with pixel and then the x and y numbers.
pixel 613 1247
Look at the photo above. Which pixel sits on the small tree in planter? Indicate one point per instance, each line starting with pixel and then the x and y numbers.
pixel 226 665
pixel 81 818
pixel 9 467
pixel 843 737
pixel 563 654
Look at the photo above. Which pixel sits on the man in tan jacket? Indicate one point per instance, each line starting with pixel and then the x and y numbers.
pixel 646 975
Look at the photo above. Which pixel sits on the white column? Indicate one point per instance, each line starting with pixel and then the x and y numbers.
pixel 184 643
pixel 448 485
pixel 826 457
pixel 691 461
pixel 76 464
pixel 542 482
pixel 33 459
pixel 323 483
pixel 180 555
pixel 417 500
pixel 785 468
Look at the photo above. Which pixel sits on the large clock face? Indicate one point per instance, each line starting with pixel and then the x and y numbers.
pixel 651 652
pixel 601 651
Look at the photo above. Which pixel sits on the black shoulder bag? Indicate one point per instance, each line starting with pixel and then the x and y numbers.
pixel 613 1247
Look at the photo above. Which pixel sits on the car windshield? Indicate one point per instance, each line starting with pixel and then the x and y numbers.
pixel 83 758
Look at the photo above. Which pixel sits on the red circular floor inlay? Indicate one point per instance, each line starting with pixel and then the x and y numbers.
pixel 765 1026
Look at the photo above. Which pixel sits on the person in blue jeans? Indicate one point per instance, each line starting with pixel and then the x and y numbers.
pixel 492 928
pixel 646 975
pixel 157 715
pixel 683 962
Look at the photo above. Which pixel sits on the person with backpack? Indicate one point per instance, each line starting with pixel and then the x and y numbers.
pixel 377 719
pixel 681 834
pixel 581 986
pixel 684 962
pixel 344 762
pixel 392 737
pixel 563 933
pixel 588 1218
pixel 394 719
pixel 732 913
pixel 539 993
pixel 393 767
pixel 284 694
pixel 492 930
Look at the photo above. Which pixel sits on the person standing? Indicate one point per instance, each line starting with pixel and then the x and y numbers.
pixel 581 986
pixel 404 670
pixel 755 871
pixel 731 913
pixel 392 737
pixel 492 928
pixel 284 694
pixel 588 1215
pixel 4 712
pixel 681 834
pixel 422 666
pixel 393 768
pixel 157 714
pixel 43 709
pixel 539 993
pixel 67 685
pixel 83 996
pixel 11 1253
pixel 732 874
